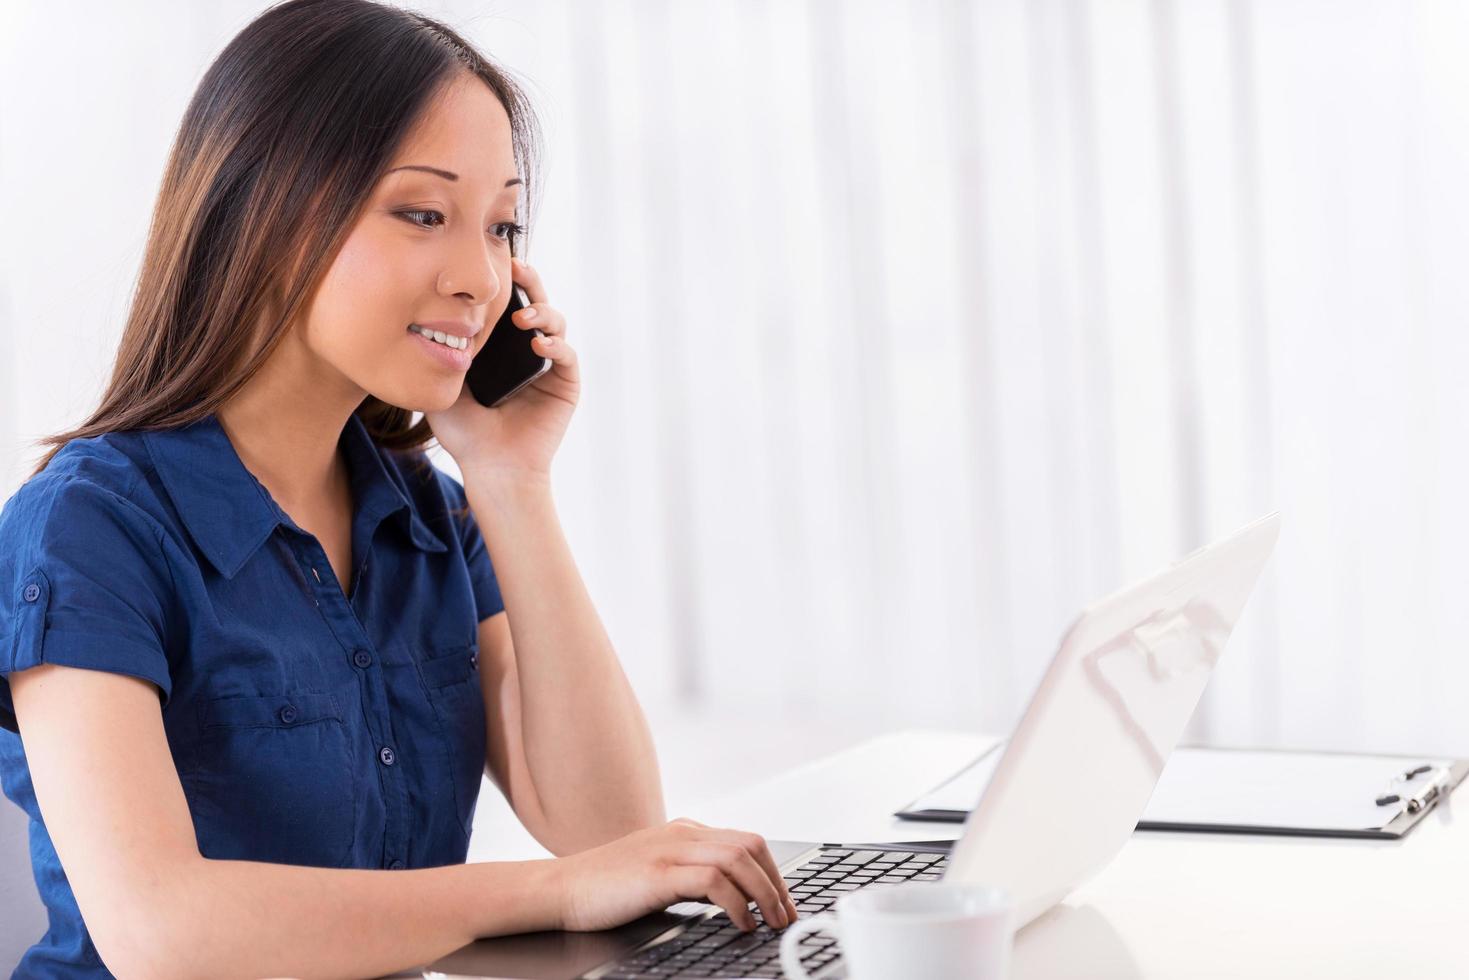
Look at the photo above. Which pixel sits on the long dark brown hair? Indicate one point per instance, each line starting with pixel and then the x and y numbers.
pixel 278 151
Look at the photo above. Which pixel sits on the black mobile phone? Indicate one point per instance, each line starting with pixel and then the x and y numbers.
pixel 507 362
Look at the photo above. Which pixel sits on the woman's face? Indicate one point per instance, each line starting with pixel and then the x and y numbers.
pixel 428 247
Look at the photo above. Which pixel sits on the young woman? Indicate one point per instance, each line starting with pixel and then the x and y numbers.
pixel 255 644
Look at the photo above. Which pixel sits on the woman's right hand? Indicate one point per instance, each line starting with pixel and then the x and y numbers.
pixel 682 860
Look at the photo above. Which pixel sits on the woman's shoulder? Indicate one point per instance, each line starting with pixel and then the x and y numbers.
pixel 89 477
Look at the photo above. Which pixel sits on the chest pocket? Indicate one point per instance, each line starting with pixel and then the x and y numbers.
pixel 450 680
pixel 273 780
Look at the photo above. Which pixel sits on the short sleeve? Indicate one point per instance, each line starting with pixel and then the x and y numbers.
pixel 487 598
pixel 84 583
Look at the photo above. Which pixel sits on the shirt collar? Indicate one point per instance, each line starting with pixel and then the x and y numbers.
pixel 229 513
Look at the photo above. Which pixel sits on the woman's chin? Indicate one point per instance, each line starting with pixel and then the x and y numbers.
pixel 440 397
pixel 428 398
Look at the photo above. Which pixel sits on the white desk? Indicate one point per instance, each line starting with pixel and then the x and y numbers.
pixel 1170 905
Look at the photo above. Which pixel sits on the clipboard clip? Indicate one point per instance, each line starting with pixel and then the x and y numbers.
pixel 1420 795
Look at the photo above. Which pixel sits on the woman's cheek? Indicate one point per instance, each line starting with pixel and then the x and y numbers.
pixel 366 293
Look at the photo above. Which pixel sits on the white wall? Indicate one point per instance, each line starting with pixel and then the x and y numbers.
pixel 908 328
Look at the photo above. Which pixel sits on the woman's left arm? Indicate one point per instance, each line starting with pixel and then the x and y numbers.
pixel 567 743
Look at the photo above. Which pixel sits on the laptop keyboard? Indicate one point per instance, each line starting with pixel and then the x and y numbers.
pixel 715 946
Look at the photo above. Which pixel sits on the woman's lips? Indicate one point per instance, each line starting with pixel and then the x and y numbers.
pixel 457 360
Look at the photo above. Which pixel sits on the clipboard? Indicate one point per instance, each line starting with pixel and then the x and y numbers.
pixel 1256 791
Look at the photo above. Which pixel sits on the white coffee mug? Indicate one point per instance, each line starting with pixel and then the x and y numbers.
pixel 937 930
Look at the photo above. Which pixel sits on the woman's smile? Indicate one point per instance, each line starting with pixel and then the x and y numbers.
pixel 458 343
pixel 456 358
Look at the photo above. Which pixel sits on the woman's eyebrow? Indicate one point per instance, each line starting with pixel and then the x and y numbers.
pixel 447 175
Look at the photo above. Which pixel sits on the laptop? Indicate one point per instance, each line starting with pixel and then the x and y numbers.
pixel 1067 791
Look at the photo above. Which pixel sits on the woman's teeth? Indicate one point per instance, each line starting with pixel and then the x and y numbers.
pixel 448 340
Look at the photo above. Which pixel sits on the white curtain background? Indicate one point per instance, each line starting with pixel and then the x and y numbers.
pixel 909 328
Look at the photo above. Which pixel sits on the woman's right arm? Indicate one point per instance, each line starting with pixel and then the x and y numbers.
pixel 108 789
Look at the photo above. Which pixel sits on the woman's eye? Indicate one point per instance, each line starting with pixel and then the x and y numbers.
pixel 412 216
pixel 510 235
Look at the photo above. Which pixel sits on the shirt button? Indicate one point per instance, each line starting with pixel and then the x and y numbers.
pixel 386 754
pixel 32 592
pixel 288 714
pixel 396 866
pixel 362 659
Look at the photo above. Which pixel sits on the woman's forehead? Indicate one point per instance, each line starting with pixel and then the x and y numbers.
pixel 465 118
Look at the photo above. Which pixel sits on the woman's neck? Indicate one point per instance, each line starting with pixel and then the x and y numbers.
pixel 285 424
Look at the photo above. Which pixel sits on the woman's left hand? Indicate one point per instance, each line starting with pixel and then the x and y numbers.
pixel 517 439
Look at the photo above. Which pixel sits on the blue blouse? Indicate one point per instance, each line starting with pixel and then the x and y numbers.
pixel 307 728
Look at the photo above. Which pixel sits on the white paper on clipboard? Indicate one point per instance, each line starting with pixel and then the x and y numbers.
pixel 1240 787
